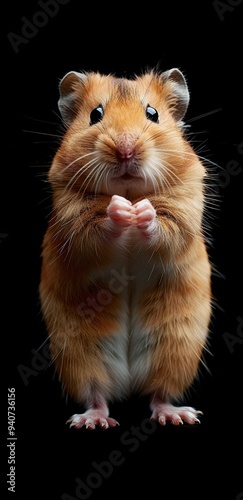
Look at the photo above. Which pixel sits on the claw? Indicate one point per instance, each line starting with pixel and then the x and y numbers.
pixel 163 412
pixel 91 420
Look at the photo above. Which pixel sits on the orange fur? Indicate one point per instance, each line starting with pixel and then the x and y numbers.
pixel 92 287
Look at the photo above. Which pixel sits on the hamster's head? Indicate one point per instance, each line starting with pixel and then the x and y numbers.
pixel 123 136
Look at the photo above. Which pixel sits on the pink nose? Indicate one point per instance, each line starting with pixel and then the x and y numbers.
pixel 125 153
pixel 125 146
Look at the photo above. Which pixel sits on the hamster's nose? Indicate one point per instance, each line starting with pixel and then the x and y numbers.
pixel 125 145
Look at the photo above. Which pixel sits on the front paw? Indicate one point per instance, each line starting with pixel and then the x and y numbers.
pixel 120 214
pixel 145 217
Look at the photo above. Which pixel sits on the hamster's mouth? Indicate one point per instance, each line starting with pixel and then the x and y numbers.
pixel 128 177
pixel 126 172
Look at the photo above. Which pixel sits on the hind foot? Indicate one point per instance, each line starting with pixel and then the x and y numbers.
pixel 165 412
pixel 91 419
pixel 96 415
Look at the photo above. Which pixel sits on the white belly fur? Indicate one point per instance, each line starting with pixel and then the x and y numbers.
pixel 126 353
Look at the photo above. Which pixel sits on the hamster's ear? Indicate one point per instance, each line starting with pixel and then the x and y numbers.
pixel 68 101
pixel 178 85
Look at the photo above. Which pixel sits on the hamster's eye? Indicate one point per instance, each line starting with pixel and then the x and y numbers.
pixel 152 114
pixel 96 115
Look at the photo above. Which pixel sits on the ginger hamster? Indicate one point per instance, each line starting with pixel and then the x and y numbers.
pixel 125 283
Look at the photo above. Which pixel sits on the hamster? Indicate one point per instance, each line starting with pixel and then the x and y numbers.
pixel 125 285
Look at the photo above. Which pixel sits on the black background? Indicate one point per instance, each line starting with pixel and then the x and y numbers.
pixel 201 461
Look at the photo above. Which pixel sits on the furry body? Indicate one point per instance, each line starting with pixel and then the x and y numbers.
pixel 125 283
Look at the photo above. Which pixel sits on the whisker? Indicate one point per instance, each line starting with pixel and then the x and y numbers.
pixel 203 115
pixel 39 166
pixel 77 159
pixel 106 178
pixel 79 172
pixel 156 183
pixel 42 133
pixel 41 121
pixel 63 224
pixel 90 176
pixel 170 172
pixel 103 173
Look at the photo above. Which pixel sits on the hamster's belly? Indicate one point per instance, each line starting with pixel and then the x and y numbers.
pixel 126 352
